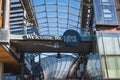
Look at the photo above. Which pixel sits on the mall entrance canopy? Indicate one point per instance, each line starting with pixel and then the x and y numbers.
pixel 51 18
pixel 22 45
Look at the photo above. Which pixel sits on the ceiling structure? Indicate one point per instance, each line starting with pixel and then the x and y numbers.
pixel 11 63
pixel 56 16
pixel 51 18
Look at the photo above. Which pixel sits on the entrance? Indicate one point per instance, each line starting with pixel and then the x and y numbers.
pixel 54 60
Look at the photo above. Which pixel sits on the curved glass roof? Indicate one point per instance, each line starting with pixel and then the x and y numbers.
pixel 54 17
pixel 57 68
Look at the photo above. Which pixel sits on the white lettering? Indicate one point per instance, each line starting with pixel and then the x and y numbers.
pixel 58 38
pixel 30 37
pixel 70 38
pixel 42 37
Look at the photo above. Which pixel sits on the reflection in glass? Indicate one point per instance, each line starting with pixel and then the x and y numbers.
pixel 71 66
pixel 94 67
pixel 109 49
pixel 105 12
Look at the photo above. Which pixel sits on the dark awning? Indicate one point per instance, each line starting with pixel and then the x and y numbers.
pixel 49 46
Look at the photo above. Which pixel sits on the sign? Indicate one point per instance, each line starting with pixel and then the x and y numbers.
pixel 4 36
pixel 40 37
pixel 105 12
pixel 71 38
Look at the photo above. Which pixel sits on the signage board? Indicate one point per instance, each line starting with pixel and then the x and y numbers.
pixel 105 12
pixel 71 38
pixel 4 36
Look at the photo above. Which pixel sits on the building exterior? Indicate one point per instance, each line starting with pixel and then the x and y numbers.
pixel 59 39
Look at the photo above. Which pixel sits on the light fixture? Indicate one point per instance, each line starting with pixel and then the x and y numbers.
pixel 56 45
pixel 58 55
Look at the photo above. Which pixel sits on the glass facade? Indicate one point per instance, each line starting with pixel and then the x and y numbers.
pixel 109 49
pixel 105 12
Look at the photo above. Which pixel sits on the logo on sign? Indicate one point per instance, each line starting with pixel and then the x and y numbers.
pixel 71 38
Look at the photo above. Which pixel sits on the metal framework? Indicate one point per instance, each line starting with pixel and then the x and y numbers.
pixel 22 19
pixel 56 16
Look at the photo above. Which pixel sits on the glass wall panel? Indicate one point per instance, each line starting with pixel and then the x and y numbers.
pixel 113 65
pixel 109 49
pixel 94 67
pixel 105 12
pixel 108 43
pixel 104 69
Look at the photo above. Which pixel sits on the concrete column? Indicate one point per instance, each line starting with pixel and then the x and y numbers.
pixel 0 7
pixel 6 14
pixel 1 70
pixel 0 13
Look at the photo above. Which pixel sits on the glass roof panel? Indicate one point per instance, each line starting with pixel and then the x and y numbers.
pixel 57 14
pixel 40 8
pixel 63 1
pixel 75 3
pixel 55 68
pixel 51 14
pixel 51 7
pixel 49 1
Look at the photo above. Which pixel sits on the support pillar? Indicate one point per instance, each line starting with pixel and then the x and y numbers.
pixel 23 66
pixel 1 71
pixel 40 66
pixel 6 21
pixel 5 28
pixel 0 13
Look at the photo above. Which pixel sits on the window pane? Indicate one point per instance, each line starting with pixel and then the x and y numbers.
pixel 108 45
pixel 113 65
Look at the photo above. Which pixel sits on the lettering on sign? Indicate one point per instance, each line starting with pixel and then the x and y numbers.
pixel 71 38
pixel 39 37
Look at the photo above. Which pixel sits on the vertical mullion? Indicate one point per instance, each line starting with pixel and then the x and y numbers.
pixel 118 41
pixel 104 56
pixel 57 17
pixel 48 74
pixel 33 5
pixel 78 19
pixel 40 70
pixel 68 13
pixel 47 16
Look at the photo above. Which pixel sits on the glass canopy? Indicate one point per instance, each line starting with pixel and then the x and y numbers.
pixel 54 17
